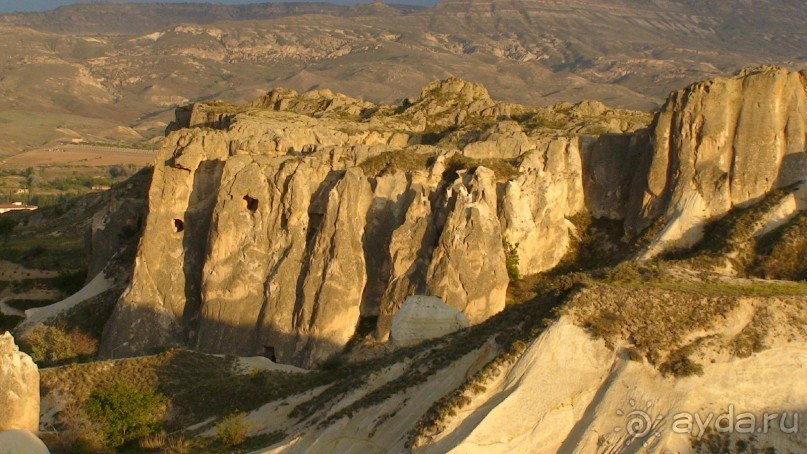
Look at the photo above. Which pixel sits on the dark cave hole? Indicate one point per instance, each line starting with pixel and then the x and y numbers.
pixel 269 352
pixel 252 203
pixel 179 225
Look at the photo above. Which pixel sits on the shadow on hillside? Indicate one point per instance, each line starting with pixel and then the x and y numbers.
pixel 793 169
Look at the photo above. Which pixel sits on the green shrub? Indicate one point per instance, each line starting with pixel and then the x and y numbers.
pixel 69 282
pixel 125 413
pixel 232 430
pixel 680 365
pixel 7 225
pixel 511 260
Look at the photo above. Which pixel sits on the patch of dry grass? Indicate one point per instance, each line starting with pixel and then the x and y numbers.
pixel 395 161
pixel 504 169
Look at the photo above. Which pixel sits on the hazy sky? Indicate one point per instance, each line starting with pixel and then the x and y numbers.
pixel 41 5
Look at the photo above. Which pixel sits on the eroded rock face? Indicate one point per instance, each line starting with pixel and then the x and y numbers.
pixel 467 268
pixel 720 144
pixel 279 225
pixel 164 295
pixel 19 388
pixel 264 233
pixel 537 204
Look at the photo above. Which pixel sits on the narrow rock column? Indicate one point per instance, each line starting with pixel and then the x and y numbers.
pixel 19 388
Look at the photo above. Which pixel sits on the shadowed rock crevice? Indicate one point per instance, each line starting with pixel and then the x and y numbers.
pixel 206 183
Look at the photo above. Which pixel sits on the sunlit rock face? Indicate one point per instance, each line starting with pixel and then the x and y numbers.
pixel 19 388
pixel 278 226
pixel 720 144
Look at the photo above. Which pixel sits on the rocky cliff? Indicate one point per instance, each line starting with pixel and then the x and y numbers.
pixel 279 226
pixel 716 145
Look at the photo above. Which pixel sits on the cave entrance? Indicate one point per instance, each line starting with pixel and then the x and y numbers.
pixel 269 352
pixel 179 225
pixel 252 203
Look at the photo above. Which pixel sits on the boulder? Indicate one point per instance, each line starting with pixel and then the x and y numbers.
pixel 425 317
pixel 21 442
pixel 19 388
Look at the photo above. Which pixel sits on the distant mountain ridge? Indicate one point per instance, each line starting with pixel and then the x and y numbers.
pixel 132 18
pixel 130 65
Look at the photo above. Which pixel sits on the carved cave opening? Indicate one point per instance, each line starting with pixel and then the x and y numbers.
pixel 252 203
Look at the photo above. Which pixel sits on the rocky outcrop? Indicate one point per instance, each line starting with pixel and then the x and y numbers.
pixel 425 317
pixel 609 164
pixel 451 102
pixel 467 269
pixel 164 295
pixel 19 388
pixel 537 204
pixel 326 316
pixel 410 250
pixel 21 441
pixel 260 233
pixel 264 233
pixel 279 228
pixel 114 229
pixel 716 145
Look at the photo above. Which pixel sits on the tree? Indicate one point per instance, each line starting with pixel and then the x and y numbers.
pixel 126 414
pixel 7 226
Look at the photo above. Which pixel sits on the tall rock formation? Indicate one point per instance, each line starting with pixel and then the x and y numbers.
pixel 467 268
pixel 164 294
pixel 274 228
pixel 716 145
pixel 19 388
pixel 265 235
pixel 537 204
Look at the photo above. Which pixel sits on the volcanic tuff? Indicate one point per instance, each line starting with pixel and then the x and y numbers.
pixel 19 382
pixel 285 222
